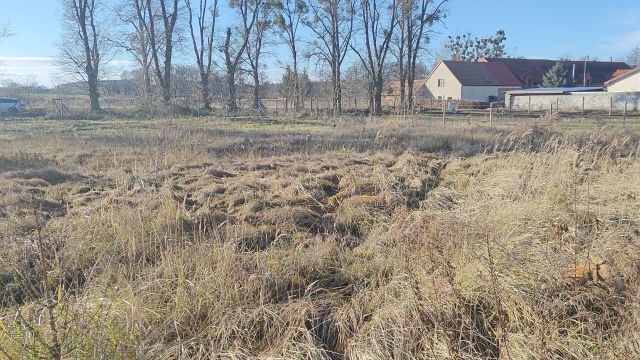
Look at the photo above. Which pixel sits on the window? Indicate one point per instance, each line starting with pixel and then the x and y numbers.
pixel 439 97
pixel 440 82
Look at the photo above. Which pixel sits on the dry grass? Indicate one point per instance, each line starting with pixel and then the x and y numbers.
pixel 372 241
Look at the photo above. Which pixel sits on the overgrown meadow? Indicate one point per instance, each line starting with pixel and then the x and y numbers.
pixel 347 238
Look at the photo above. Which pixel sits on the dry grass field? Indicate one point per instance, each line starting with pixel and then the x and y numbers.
pixel 349 238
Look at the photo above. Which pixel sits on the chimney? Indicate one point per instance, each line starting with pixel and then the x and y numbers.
pixel 573 73
pixel 456 57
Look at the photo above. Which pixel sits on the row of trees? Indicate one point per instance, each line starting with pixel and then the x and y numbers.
pixel 378 32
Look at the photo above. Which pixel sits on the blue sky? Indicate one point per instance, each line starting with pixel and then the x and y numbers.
pixel 536 29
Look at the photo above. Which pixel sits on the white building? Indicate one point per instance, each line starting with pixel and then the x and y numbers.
pixel 477 81
pixel 628 81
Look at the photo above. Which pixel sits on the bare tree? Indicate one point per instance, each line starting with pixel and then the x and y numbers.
pixel 135 41
pixel 633 58
pixel 295 87
pixel 288 17
pixel 84 44
pixel 332 23
pixel 416 16
pixel 379 19
pixel 5 31
pixel 202 35
pixel 234 48
pixel 255 44
pixel 161 39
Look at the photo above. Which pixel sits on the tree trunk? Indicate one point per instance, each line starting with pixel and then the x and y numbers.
pixel 410 82
pixel 205 92
pixel 94 95
pixel 166 91
pixel 256 89
pixel 377 95
pixel 146 80
pixel 337 110
pixel 296 83
pixel 232 108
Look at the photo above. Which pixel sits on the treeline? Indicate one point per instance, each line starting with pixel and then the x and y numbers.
pixel 226 44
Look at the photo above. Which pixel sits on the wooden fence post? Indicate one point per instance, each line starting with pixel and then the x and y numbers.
pixel 529 111
pixel 490 114
pixel 444 111
pixel 610 106
pixel 583 105
pixel 624 114
pixel 558 105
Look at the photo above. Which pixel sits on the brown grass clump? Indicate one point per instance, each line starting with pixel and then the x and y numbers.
pixel 174 244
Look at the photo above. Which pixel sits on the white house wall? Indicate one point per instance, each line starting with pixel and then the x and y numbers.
pixel 482 93
pixel 479 93
pixel 628 84
pixel 452 87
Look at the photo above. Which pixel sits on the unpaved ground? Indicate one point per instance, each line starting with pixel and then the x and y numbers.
pixel 165 246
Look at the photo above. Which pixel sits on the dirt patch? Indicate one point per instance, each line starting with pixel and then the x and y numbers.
pixel 50 175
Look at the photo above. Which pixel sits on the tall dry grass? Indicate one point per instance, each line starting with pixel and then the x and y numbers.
pixel 195 245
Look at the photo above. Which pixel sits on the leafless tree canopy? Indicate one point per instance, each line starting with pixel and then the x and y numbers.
pixel 288 17
pixel 162 16
pixel 378 20
pixel 383 36
pixel 416 17
pixel 202 28
pixel 256 42
pixel 235 46
pixel 84 47
pixel 133 37
pixel 332 23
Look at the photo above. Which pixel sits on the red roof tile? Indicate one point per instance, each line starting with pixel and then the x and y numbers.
pixel 502 73
pixel 482 74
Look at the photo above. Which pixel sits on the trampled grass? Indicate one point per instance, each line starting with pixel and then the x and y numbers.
pixel 325 239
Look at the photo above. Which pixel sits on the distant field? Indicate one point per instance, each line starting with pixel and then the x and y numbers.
pixel 328 238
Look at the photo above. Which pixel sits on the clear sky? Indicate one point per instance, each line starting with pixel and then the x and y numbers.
pixel 535 28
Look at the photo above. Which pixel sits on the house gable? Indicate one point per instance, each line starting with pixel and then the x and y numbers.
pixel 627 82
pixel 443 84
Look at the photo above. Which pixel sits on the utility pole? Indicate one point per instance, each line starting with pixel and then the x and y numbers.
pixel 584 78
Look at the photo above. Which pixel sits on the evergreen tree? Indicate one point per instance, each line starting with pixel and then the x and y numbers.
pixel 556 77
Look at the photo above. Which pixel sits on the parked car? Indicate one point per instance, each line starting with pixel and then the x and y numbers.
pixel 11 106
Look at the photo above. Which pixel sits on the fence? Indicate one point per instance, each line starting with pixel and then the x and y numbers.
pixel 606 102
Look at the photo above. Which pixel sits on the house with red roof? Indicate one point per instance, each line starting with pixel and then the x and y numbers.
pixel 581 73
pixel 625 81
pixel 475 81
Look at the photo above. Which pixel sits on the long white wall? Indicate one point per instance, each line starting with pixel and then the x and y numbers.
pixel 573 102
